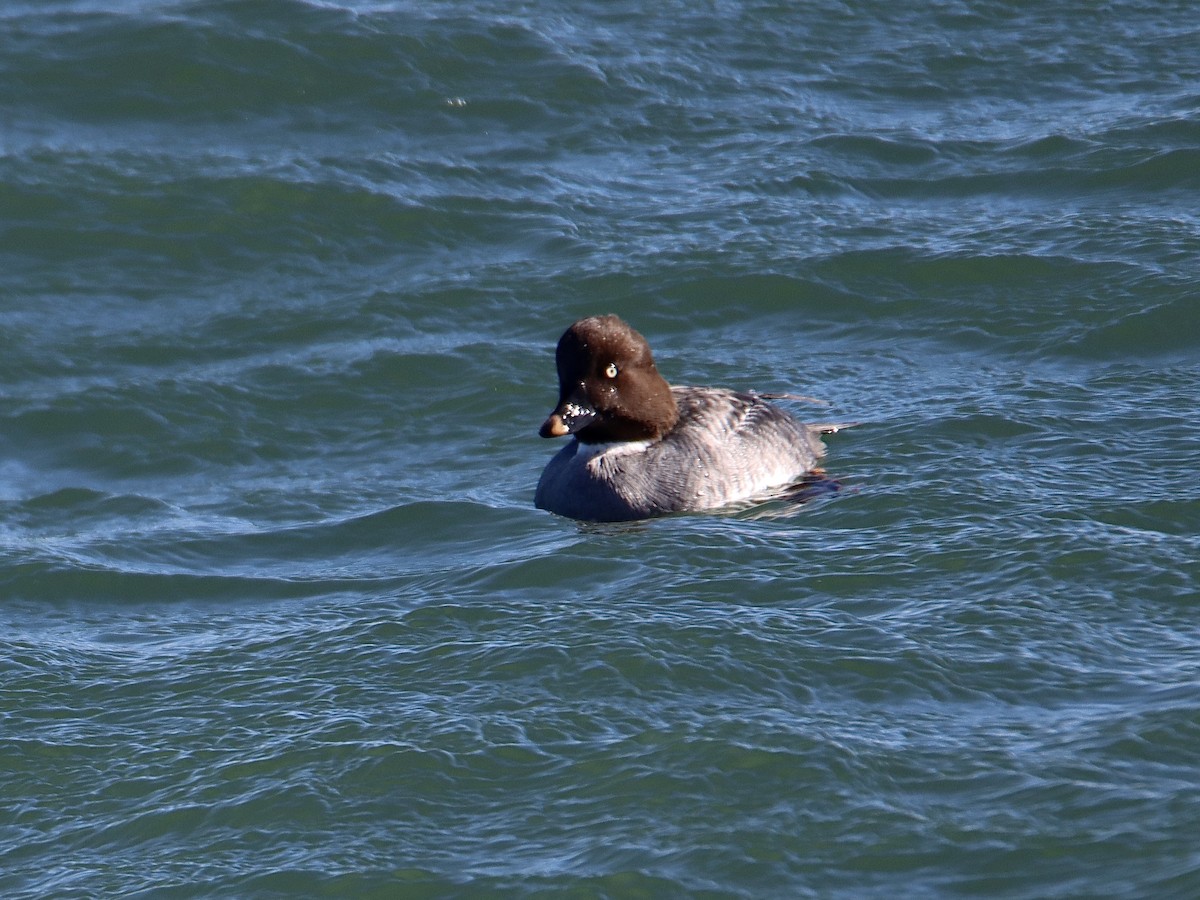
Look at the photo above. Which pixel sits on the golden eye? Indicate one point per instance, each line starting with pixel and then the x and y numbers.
pixel 611 371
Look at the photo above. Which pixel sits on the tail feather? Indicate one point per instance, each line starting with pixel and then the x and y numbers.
pixel 832 427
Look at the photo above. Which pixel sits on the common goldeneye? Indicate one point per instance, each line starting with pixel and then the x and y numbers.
pixel 642 448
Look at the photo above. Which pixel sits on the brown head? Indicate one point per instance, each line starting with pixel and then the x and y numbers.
pixel 608 386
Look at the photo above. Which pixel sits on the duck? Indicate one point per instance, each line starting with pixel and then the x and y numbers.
pixel 641 448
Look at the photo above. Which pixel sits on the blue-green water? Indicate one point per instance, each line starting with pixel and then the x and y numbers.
pixel 280 283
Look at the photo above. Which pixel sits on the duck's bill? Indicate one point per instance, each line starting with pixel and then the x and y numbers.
pixel 570 416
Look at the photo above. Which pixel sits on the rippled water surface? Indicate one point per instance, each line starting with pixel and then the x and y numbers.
pixel 280 283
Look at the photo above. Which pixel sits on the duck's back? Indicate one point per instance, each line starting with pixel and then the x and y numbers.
pixel 735 445
pixel 727 446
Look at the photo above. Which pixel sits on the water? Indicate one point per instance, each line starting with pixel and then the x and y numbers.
pixel 279 288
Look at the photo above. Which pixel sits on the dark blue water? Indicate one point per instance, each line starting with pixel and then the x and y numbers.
pixel 280 283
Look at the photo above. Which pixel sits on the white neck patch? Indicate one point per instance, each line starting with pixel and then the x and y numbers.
pixel 588 452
